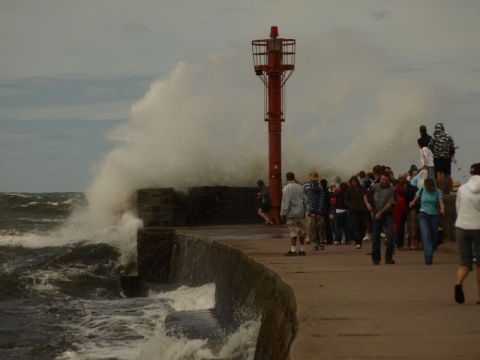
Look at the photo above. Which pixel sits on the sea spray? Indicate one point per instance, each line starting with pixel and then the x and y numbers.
pixel 347 108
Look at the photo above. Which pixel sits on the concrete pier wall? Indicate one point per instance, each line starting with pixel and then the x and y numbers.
pixel 245 290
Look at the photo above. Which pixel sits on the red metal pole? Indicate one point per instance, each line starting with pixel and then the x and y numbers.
pixel 273 59
pixel 274 118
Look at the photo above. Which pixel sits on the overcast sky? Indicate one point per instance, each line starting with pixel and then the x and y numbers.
pixel 72 71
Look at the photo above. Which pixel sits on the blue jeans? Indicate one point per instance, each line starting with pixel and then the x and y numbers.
pixel 384 223
pixel 429 230
pixel 341 223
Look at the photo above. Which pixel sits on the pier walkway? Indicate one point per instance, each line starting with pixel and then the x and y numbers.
pixel 348 308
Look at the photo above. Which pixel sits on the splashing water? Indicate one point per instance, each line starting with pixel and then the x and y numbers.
pixel 348 109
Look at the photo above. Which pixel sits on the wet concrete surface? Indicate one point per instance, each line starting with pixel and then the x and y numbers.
pixel 348 308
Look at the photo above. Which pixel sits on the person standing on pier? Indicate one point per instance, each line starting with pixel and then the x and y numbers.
pixel 383 197
pixel 293 209
pixel 328 211
pixel 443 149
pixel 357 215
pixel 467 226
pixel 424 135
pixel 315 197
pixel 426 158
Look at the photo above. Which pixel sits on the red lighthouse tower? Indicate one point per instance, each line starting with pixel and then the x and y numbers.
pixel 274 62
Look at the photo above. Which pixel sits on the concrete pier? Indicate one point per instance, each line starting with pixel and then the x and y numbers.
pixel 347 308
pixel 331 304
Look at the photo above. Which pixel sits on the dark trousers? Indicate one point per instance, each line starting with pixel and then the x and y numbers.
pixel 399 229
pixel 358 225
pixel 328 228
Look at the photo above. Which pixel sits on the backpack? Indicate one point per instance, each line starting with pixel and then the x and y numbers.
pixel 333 198
pixel 409 194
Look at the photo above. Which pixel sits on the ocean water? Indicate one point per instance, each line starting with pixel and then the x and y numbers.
pixel 60 296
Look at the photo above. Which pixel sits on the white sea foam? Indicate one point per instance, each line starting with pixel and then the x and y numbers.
pixel 187 298
pixel 239 345
pixel 134 329
pixel 30 240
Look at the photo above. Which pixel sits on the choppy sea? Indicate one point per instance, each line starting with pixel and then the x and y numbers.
pixel 60 294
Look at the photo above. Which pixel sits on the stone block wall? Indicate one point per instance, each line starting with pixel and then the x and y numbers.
pixel 448 222
pixel 154 253
pixel 207 205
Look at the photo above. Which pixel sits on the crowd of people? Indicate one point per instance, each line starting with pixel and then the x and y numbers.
pixel 404 212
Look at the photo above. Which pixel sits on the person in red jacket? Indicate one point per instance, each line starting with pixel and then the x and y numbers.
pixel 399 217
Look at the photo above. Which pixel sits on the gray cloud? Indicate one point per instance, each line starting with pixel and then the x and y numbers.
pixel 469 98
pixel 71 90
pixel 135 28
pixel 380 15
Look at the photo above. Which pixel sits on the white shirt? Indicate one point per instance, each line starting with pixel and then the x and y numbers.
pixel 426 157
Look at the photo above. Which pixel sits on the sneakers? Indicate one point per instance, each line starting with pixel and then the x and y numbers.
pixel 322 246
pixel 358 246
pixel 336 243
pixel 367 237
pixel 293 253
pixel 268 223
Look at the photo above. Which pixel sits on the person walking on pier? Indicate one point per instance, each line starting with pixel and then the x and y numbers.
pixel 293 209
pixel 383 197
pixel 375 179
pixel 467 227
pixel 264 195
pixel 431 207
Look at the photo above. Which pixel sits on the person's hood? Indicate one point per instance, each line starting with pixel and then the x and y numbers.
pixel 474 184
pixel 439 129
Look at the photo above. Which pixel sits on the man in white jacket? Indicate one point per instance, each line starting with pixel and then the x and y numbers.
pixel 468 230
